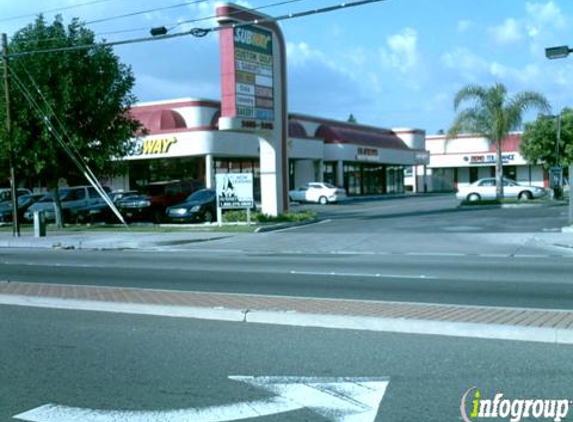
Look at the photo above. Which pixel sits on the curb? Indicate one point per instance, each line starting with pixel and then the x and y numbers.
pixel 501 323
pixel 299 319
pixel 282 226
pixel 90 244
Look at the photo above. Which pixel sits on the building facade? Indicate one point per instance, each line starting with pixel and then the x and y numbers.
pixel 463 160
pixel 183 141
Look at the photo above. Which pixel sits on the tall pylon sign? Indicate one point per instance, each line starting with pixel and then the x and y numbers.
pixel 254 97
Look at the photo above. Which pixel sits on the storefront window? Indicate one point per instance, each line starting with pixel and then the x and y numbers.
pixel 142 172
pixel 510 172
pixel 474 174
pixel 352 178
pixel 373 179
pixel 374 176
pixel 395 179
pixel 329 175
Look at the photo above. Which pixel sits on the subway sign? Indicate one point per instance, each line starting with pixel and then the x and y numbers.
pixel 254 39
pixel 153 146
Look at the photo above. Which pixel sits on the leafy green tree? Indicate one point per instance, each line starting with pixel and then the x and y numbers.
pixel 539 140
pixel 493 114
pixel 352 119
pixel 87 90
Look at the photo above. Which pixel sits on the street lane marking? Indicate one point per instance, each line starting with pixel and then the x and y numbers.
pixel 366 275
pixel 336 399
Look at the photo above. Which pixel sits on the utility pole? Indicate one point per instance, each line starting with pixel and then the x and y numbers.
pixel 13 185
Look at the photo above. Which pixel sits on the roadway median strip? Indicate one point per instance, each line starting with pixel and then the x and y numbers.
pixel 541 325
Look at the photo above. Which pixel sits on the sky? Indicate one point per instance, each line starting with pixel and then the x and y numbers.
pixel 391 64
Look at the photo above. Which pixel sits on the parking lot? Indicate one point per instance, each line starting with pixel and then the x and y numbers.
pixel 436 213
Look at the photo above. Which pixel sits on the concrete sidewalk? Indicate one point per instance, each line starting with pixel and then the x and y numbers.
pixel 121 239
pixel 539 325
pixel 155 238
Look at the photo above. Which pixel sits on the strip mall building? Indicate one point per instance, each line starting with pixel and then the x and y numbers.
pixel 463 160
pixel 183 141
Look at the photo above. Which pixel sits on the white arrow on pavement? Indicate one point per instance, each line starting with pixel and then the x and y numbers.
pixel 337 399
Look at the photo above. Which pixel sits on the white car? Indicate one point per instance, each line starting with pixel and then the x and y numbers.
pixel 319 192
pixel 485 189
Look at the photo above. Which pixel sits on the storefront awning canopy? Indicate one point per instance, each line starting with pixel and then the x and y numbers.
pixel 333 134
pixel 159 120
pixel 296 129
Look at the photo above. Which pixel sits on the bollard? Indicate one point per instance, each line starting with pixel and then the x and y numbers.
pixel 39 224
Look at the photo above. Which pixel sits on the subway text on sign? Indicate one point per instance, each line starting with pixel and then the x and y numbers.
pixel 154 146
pixel 251 38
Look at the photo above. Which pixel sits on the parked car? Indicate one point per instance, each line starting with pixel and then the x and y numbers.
pixel 485 189
pixel 152 203
pixel 6 193
pixel 102 213
pixel 24 202
pixel 320 192
pixel 200 206
pixel 72 200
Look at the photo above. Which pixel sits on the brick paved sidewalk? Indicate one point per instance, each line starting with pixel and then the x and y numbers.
pixel 555 326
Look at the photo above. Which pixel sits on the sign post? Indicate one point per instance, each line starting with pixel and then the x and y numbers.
pixel 253 94
pixel 234 191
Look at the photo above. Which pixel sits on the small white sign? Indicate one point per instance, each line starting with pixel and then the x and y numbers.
pixel 235 190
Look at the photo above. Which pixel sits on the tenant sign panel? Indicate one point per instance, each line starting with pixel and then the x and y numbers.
pixel 248 77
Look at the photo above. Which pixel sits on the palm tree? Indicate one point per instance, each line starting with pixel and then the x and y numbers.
pixel 493 115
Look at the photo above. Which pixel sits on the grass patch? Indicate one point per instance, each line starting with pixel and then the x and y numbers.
pixel 233 221
pixel 258 217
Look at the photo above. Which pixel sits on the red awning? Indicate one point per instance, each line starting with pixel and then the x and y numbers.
pixel 378 138
pixel 158 120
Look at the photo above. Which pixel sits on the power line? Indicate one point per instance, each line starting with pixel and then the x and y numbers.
pixel 170 26
pixel 281 3
pixel 59 9
pixel 142 12
pixel 200 32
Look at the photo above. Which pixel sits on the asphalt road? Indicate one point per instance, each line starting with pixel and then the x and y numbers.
pixel 419 249
pixel 126 362
pixel 477 280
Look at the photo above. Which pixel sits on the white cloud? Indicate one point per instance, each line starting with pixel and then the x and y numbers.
pixel 300 54
pixel 527 76
pixel 464 25
pixel 546 14
pixel 469 65
pixel 402 50
pixel 507 33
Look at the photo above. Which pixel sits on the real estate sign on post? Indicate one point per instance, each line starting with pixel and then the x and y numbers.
pixel 235 190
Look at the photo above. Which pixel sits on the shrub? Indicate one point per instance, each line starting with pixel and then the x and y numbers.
pixel 258 217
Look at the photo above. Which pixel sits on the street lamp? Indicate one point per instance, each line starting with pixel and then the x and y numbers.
pixel 560 52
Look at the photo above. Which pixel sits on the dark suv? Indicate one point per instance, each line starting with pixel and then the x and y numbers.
pixel 155 198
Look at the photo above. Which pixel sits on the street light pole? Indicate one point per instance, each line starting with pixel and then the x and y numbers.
pixel 560 52
pixel 557 190
pixel 13 185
